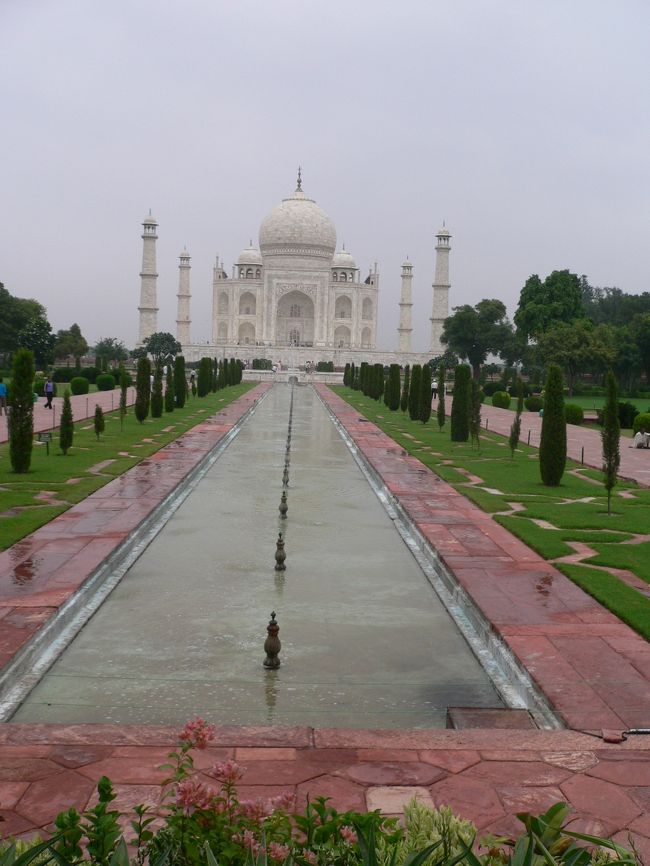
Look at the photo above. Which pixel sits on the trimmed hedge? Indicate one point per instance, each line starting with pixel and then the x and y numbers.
pixel 501 399
pixel 105 382
pixel 534 403
pixel 642 420
pixel 79 385
pixel 573 414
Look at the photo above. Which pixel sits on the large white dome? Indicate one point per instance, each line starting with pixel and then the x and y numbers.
pixel 298 226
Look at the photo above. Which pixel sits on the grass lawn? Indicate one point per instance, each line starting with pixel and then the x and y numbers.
pixel 56 482
pixel 576 511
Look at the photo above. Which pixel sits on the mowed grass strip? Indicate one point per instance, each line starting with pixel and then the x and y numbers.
pixel 57 482
pixel 511 490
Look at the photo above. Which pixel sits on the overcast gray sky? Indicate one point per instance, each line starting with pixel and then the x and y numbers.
pixel 525 124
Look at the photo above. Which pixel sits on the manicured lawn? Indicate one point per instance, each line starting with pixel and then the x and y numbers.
pixel 56 482
pixel 576 511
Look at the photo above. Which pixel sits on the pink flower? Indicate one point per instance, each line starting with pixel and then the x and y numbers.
pixel 348 834
pixel 251 843
pixel 198 733
pixel 284 802
pixel 310 857
pixel 191 795
pixel 228 772
pixel 254 810
pixel 278 852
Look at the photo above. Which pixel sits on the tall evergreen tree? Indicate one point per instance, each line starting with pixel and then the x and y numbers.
pixel 515 429
pixel 66 429
pixel 215 375
pixel 379 381
pixel 404 399
pixel 142 389
pixel 157 393
pixel 610 437
pixel 226 373
pixel 393 387
pixel 98 421
pixel 180 383
pixel 440 412
pixel 475 413
pixel 552 447
pixel 204 377
pixel 461 404
pixel 425 394
pixel 346 375
pixel 123 382
pixel 169 389
pixel 414 392
pixel 353 376
pixel 21 417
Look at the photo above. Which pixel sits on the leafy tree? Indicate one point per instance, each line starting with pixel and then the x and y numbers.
pixel 393 389
pixel 110 350
pixel 21 417
pixel 441 396
pixel 98 421
pixel 157 392
pixel 404 399
pixel 414 392
pixel 37 335
pixel 544 304
pixel 576 347
pixel 460 404
pixel 515 429
pixel 66 430
pixel 204 378
pixel 552 448
pixel 611 306
pixel 169 389
pixel 475 396
pixel 142 389
pixel 611 439
pixel 628 361
pixel 123 383
pixel 162 346
pixel 71 343
pixel 425 393
pixel 16 315
pixel 640 329
pixel 474 332
pixel 180 383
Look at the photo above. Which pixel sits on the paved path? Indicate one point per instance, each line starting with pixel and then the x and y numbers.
pixel 83 406
pixel 635 462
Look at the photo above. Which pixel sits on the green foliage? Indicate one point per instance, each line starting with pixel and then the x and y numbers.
pixel 37 336
pixel 414 392
pixel 325 367
pixel 575 346
pixel 23 324
pixel 543 304
pixel 170 391
pixel 476 399
pixel 124 384
pixel 110 350
pixel 515 429
pixel 66 429
pixel 204 377
pixel 552 448
pixel 641 420
pixel 627 414
pixel 346 376
pixel 610 438
pixel 441 396
pixel 573 414
pixel 180 382
pixel 474 332
pixel 378 381
pixel 105 382
pixel 425 394
pixel 214 373
pixel 461 404
pixel 534 403
pixel 404 399
pixel 21 418
pixel 162 346
pixel 79 385
pixel 70 343
pixel 90 373
pixel 98 421
pixel 393 390
pixel 157 392
pixel 501 399
pixel 142 389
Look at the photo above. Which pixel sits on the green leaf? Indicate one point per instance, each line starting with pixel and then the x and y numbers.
pixel 210 858
pixel 120 856
pixel 417 858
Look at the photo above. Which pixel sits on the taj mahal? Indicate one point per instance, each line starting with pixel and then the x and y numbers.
pixel 294 299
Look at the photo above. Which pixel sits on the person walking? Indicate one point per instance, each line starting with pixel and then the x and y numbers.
pixel 49 392
pixel 3 396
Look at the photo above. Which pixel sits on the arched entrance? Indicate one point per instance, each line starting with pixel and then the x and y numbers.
pixel 295 320
pixel 342 337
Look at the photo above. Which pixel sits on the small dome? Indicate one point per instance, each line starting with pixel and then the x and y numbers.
pixel 443 231
pixel 250 256
pixel 149 220
pixel 344 259
pixel 184 254
pixel 406 263
pixel 298 226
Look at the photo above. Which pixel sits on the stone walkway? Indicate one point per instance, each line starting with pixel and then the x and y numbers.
pixel 593 668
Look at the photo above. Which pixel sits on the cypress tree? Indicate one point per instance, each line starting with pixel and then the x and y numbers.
pixel 404 399
pixel 440 412
pixel 98 421
pixel 180 383
pixel 157 393
pixel 169 389
pixel 214 372
pixel 475 413
pixel 379 381
pixel 346 375
pixel 232 372
pixel 552 447
pixel 66 430
pixel 142 389
pixel 515 429
pixel 362 377
pixel 425 394
pixel 123 394
pixel 226 373
pixel 204 377
pixel 610 438
pixel 21 417
pixel 414 392
pixel 460 404
pixel 393 387
pixel 353 376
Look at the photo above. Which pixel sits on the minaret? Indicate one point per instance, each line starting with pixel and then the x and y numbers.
pixel 218 274
pixel 183 315
pixel 405 306
pixel 148 307
pixel 441 288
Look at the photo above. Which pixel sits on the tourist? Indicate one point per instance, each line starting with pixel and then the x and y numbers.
pixel 49 392
pixel 434 390
pixel 641 439
pixel 3 396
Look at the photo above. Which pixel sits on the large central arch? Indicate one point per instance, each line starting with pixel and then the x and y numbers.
pixel 295 320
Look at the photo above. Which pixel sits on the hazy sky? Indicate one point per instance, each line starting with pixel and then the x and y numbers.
pixel 525 124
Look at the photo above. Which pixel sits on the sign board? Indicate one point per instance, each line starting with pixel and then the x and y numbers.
pixel 44 437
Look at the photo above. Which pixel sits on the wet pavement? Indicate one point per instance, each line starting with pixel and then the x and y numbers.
pixel 365 641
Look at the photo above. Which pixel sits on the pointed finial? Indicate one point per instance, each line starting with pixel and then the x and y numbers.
pixel 299 187
pixel 250 242
pixel 444 224
pixel 343 246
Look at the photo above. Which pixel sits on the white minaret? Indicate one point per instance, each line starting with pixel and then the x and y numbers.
pixel 405 307
pixel 183 315
pixel 148 307
pixel 218 274
pixel 441 288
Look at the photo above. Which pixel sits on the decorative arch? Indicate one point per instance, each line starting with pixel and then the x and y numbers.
pixel 222 332
pixel 366 336
pixel 249 273
pixel 366 309
pixel 343 308
pixel 295 319
pixel 342 337
pixel 246 333
pixel 247 304
pixel 222 306
pixel 335 276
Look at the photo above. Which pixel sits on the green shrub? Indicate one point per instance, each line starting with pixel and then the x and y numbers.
pixel 573 414
pixel 64 374
pixel 393 389
pixel 642 420
pixel 404 398
pixel 142 389
pixel 461 404
pixel 66 430
pixel 39 385
pixel 325 367
pixel 204 378
pixel 21 419
pixel 105 382
pixel 425 393
pixel 90 373
pixel 157 393
pixel 627 412
pixel 552 447
pixel 534 403
pixel 99 422
pixel 501 399
pixel 180 383
pixel 79 385
pixel 170 390
pixel 490 388
pixel 414 392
